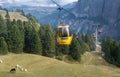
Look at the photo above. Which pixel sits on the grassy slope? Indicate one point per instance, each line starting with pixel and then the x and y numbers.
pixel 17 16
pixel 39 66
pixel 14 15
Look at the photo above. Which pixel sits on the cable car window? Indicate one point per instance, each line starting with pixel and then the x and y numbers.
pixel 65 32
pixel 60 32
pixel 70 33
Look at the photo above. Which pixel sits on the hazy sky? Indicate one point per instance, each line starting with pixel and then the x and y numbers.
pixel 35 2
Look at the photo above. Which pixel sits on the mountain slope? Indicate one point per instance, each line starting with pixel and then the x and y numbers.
pixel 47 67
pixel 14 15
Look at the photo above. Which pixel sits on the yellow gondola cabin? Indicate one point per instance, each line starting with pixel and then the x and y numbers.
pixel 64 35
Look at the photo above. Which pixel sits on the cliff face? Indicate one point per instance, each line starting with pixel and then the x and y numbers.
pixel 104 12
pixel 109 9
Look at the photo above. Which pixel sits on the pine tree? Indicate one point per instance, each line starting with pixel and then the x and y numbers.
pixel 111 48
pixel 115 53
pixel 3 46
pixel 21 29
pixel 41 34
pixel 14 38
pixel 84 46
pixel 3 27
pixel 8 24
pixel 107 45
pixel 37 46
pixel 75 52
pixel 33 21
pixel 32 40
pixel 62 49
pixel 49 41
pixel 28 39
pixel 7 15
pixel 89 40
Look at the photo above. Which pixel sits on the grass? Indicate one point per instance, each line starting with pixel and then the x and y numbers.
pixel 17 16
pixel 39 66
pixel 93 58
pixel 13 15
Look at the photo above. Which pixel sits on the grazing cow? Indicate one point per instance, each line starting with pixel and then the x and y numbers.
pixel 13 70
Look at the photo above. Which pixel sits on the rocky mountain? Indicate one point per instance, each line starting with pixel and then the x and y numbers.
pixel 107 13
pixel 90 13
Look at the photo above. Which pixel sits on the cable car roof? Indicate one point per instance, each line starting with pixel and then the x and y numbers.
pixel 63 26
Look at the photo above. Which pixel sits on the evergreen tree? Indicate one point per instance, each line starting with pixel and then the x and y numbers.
pixel 20 26
pixel 33 21
pixel 106 47
pixel 14 39
pixel 75 52
pixel 28 39
pixel 62 49
pixel 32 40
pixel 89 40
pixel 3 46
pixel 49 41
pixel 21 29
pixel 84 46
pixel 28 15
pixel 21 11
pixel 41 34
pixel 37 46
pixel 8 24
pixel 3 27
pixel 111 48
pixel 7 15
pixel 115 53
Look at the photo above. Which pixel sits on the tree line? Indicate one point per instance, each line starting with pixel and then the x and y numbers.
pixel 111 50
pixel 18 36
